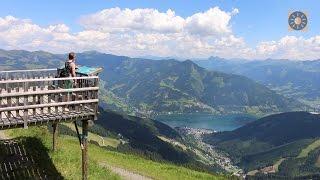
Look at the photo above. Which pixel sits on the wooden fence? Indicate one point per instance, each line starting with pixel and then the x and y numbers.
pixel 33 97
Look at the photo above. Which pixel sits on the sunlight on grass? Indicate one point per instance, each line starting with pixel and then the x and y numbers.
pixel 94 137
pixel 277 164
pixel 304 152
pixel 67 160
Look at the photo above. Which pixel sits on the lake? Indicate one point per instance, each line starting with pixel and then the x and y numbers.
pixel 207 121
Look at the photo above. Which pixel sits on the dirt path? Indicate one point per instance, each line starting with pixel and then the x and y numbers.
pixel 3 135
pixel 125 174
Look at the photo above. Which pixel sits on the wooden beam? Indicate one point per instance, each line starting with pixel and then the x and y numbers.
pixel 85 149
pixel 25 102
pixel 54 135
pixel 46 92
pixel 47 79
pixel 13 108
pixel 30 70
pixel 17 122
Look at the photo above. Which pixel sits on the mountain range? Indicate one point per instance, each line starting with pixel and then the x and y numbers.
pixel 150 87
pixel 175 86
pixel 294 79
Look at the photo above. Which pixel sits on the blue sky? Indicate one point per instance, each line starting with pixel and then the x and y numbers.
pixel 256 22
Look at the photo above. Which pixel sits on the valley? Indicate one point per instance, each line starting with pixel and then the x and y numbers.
pixel 204 120
pixel 160 90
pixel 208 153
pixel 270 147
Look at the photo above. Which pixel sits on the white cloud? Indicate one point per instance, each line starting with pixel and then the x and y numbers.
pixel 141 20
pixel 290 47
pixel 139 32
pixel 212 22
pixel 235 11
pixel 23 34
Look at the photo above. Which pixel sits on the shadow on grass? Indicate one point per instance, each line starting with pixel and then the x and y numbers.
pixel 26 158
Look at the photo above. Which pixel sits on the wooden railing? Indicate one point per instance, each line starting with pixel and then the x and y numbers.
pixel 37 96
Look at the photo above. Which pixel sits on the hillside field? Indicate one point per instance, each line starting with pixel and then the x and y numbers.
pixel 67 159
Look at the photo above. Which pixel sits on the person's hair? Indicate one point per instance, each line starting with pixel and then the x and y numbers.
pixel 71 55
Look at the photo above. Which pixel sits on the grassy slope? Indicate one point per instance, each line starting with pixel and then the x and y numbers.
pixel 308 149
pixel 278 163
pixel 262 143
pixel 267 133
pixel 67 160
pixel 299 80
pixel 270 157
pixel 180 86
pixel 94 137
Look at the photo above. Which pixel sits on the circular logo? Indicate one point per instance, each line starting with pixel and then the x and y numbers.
pixel 298 20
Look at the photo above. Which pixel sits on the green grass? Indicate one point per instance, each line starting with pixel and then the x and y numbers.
pixel 271 156
pixel 174 142
pixel 149 168
pixel 94 137
pixel 304 152
pixel 277 164
pixel 67 160
pixel 108 97
pixel 163 84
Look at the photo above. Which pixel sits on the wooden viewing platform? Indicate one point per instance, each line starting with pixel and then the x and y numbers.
pixel 38 97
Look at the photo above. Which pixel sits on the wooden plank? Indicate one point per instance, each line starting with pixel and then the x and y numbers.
pixel 9 101
pixel 54 135
pixel 25 111
pixel 28 70
pixel 41 100
pixel 49 105
pixel 56 99
pixel 47 79
pixel 34 99
pixel 17 102
pixel 85 149
pixel 40 118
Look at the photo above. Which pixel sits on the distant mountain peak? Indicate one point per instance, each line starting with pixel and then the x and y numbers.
pixel 92 52
pixel 188 61
pixel 215 58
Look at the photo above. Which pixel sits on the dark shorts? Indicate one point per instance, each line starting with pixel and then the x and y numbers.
pixel 68 84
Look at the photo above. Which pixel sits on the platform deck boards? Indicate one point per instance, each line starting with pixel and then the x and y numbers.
pixel 41 119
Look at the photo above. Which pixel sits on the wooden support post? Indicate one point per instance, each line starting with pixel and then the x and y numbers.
pixel 25 102
pixel 54 136
pixel 85 149
pixel 34 100
pixel 9 102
